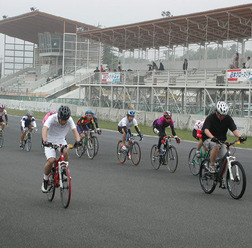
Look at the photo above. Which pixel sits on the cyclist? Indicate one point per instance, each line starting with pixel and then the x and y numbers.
pixel 27 121
pixel 3 112
pixel 215 129
pixel 54 131
pixel 159 126
pixel 198 135
pixel 124 126
pixel 52 111
pixel 86 123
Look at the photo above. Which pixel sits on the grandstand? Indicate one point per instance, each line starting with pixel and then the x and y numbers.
pixel 53 57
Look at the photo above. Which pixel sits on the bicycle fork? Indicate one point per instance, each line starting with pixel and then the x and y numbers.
pixel 231 159
pixel 62 164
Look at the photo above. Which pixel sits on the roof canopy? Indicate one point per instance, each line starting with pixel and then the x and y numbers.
pixel 29 25
pixel 234 23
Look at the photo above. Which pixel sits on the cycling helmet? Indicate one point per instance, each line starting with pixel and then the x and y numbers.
pixel 131 113
pixel 167 113
pixel 53 111
pixel 64 113
pixel 222 108
pixel 29 113
pixel 89 112
pixel 2 106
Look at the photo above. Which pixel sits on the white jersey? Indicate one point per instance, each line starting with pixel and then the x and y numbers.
pixel 199 124
pixel 125 122
pixel 3 113
pixel 57 133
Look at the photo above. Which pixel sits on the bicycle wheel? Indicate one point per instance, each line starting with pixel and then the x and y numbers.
pixel 237 186
pixel 172 159
pixel 121 154
pixel 207 180
pixel 96 145
pixel 194 162
pixel 80 150
pixel 65 191
pixel 1 139
pixel 90 148
pixel 135 152
pixel 51 187
pixel 155 159
pixel 28 145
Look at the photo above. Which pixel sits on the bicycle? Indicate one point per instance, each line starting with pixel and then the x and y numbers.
pixel 168 153
pixel 90 145
pixel 194 162
pixel 27 142
pixel 133 151
pixel 235 176
pixel 59 177
pixel 1 137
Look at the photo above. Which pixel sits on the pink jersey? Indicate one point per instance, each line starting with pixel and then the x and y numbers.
pixel 45 118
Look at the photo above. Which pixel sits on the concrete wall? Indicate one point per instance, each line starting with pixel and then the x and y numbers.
pixel 244 125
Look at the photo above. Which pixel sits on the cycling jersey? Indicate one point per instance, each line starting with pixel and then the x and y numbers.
pixel 125 124
pixel 85 124
pixel 56 132
pixel 162 122
pixel 4 113
pixel 25 122
pixel 198 124
pixel 45 118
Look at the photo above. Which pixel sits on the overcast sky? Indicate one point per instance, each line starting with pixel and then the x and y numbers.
pixel 110 13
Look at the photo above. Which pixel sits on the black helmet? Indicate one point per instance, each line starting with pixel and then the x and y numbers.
pixel 64 113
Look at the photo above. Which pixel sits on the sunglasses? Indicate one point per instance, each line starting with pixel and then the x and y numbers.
pixel 167 118
pixel 220 114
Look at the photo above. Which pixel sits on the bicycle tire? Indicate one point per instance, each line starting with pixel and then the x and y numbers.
pixel 155 159
pixel 236 187
pixel 80 150
pixel 51 187
pixel 65 190
pixel 172 159
pixel 1 139
pixel 90 148
pixel 121 154
pixel 96 145
pixel 135 152
pixel 207 180
pixel 28 145
pixel 194 162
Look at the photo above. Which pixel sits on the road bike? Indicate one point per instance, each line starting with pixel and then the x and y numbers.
pixel 194 162
pixel 27 142
pixel 235 174
pixel 59 177
pixel 90 145
pixel 1 137
pixel 167 154
pixel 132 151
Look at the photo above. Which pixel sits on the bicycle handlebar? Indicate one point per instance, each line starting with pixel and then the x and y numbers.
pixel 236 142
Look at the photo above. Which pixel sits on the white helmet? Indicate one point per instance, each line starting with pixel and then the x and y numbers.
pixel 222 108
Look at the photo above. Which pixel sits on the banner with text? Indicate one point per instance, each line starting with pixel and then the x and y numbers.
pixel 239 75
pixel 111 77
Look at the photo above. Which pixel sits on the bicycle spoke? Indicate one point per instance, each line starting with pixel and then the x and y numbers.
pixel 135 152
pixel 155 159
pixel 65 191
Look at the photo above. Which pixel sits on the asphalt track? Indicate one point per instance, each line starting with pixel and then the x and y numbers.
pixel 116 205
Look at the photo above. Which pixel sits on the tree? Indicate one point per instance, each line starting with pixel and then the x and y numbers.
pixel 166 13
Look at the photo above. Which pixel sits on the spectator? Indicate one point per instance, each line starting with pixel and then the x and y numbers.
pixel 185 66
pixel 96 75
pixel 102 70
pixel 236 61
pixel 154 66
pixel 150 67
pixel 243 65
pixel 248 63
pixel 161 66
pixel 119 67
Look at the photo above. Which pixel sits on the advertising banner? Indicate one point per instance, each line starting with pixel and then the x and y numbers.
pixel 239 75
pixel 111 77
